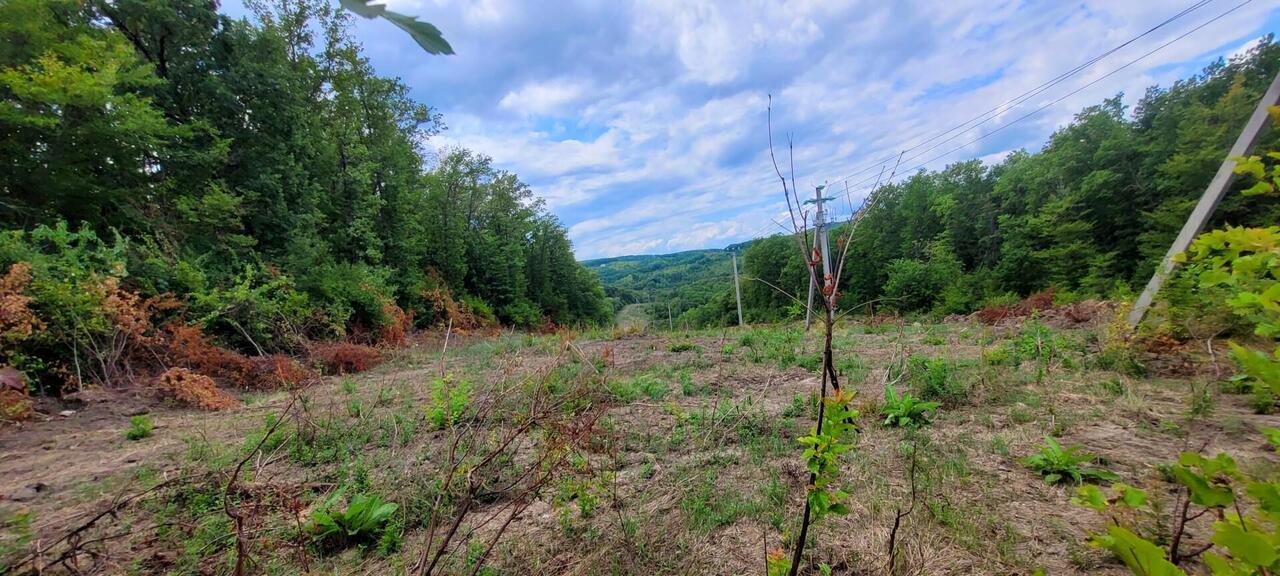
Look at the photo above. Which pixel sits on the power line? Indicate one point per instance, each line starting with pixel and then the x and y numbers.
pixel 1021 98
pixel 1072 93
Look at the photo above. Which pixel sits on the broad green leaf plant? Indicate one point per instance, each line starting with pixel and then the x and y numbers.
pixel 1070 464
pixel 1245 538
pixel 905 410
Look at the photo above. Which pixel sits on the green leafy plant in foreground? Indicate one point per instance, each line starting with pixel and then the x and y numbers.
pixel 1241 544
pixel 1057 464
pixel 823 446
pixel 905 410
pixel 363 521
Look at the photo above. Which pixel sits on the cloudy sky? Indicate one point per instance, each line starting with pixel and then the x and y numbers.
pixel 643 123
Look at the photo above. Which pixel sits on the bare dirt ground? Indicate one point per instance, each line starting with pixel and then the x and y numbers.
pixel 697 471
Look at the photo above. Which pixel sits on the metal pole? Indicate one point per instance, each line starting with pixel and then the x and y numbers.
pixel 737 288
pixel 827 272
pixel 1208 201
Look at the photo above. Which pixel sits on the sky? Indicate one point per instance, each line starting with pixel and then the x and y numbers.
pixel 644 123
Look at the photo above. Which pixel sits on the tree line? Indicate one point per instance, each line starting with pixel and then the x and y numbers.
pixel 259 171
pixel 1090 214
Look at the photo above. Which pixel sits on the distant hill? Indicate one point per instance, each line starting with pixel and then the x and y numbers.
pixel 684 280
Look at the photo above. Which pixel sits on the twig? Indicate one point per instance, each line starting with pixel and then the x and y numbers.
pixel 235 515
pixel 445 349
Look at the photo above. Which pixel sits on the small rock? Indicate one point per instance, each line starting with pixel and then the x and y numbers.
pixel 29 492
pixel 67 413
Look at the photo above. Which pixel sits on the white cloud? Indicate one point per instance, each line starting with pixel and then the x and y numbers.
pixel 543 97
pixel 658 138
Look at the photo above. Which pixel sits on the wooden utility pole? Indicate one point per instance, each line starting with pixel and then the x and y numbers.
pixel 737 288
pixel 1208 201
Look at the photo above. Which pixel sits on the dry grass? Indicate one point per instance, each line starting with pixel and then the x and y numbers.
pixel 698 473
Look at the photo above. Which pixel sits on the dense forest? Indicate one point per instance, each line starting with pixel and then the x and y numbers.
pixel 1088 215
pixel 253 177
pixel 681 279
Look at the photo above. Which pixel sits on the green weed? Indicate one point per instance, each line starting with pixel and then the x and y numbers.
pixel 905 410
pixel 140 427
pixel 1057 464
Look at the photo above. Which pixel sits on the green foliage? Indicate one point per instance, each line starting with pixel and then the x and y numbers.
pixel 365 520
pixel 313 216
pixel 937 379
pixel 906 411
pixel 642 386
pixel 1243 543
pixel 448 402
pixel 140 427
pixel 823 449
pixel 1058 464
pixel 1245 262
pixel 1090 214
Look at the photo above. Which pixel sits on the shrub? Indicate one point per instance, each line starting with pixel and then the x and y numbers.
pixel 905 411
pixel 448 401
pixel 364 521
pixel 258 308
pixel 345 358
pixel 1057 464
pixel 522 313
pixel 935 380
pixel 480 309
pixel 140 427
pixel 15 405
pixel 188 347
pixel 279 371
pixel 398 323
pixel 193 389
pixel 17 320
pixel 645 385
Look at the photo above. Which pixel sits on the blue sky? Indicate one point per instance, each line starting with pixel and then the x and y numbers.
pixel 643 122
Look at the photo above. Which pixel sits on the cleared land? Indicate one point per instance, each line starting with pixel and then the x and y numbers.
pixel 692 468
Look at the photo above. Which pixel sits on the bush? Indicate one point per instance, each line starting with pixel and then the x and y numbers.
pixel 480 309
pixel 15 405
pixel 278 371
pixel 448 401
pixel 345 358
pixel 140 427
pixel 935 380
pixel 522 313
pixel 259 309
pixel 193 389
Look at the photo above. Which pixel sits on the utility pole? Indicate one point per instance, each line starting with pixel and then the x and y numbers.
pixel 827 272
pixel 820 237
pixel 737 288
pixel 1208 201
